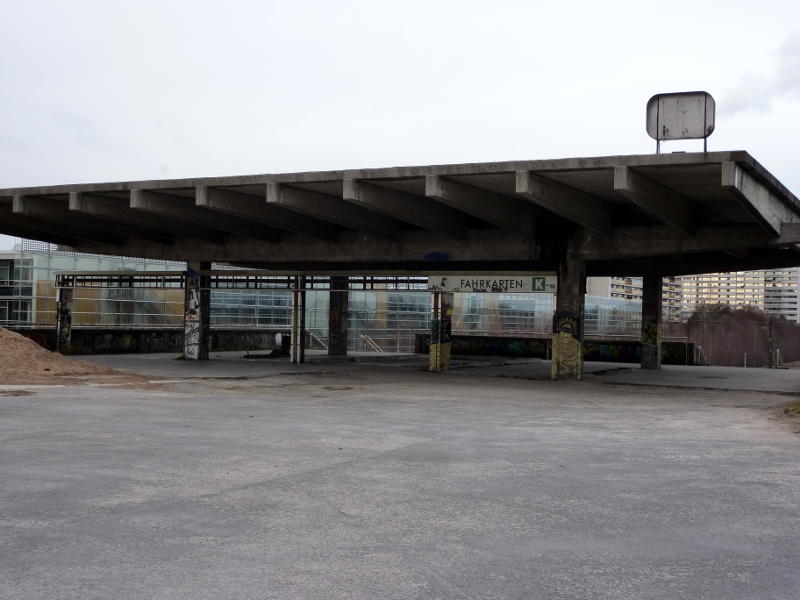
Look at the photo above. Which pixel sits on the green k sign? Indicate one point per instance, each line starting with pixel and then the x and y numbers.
pixel 539 284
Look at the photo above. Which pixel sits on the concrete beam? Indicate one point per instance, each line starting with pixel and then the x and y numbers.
pixel 182 211
pixel 333 210
pixel 770 211
pixel 49 216
pixel 117 210
pixel 566 202
pixel 21 231
pixel 654 199
pixel 596 163
pixel 58 211
pixel 790 231
pixel 655 240
pixel 509 214
pixel 406 207
pixel 258 210
pixel 112 210
pixel 693 264
pixel 416 250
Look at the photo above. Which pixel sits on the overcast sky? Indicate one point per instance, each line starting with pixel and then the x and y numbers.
pixel 105 91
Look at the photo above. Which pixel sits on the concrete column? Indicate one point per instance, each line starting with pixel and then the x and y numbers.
pixel 337 317
pixel 298 339
pixel 64 319
pixel 651 322
pixel 197 312
pixel 441 331
pixel 567 339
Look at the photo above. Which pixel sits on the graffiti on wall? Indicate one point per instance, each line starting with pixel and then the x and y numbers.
pixel 489 346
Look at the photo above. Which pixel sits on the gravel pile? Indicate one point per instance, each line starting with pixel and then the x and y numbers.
pixel 24 361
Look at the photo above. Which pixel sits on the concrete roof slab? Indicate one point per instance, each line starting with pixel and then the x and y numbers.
pixel 697 177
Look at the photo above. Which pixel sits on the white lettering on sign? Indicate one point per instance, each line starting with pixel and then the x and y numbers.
pixel 501 284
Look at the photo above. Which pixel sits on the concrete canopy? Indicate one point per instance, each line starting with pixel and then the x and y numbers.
pixel 666 214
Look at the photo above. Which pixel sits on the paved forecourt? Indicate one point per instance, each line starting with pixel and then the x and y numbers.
pixel 380 481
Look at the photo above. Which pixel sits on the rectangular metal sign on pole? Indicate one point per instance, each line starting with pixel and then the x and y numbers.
pixel 681 116
pixel 534 283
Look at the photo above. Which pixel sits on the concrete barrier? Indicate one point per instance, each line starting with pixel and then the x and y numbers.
pixel 673 353
pixel 106 341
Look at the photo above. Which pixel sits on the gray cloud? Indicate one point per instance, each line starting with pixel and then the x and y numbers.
pixel 758 92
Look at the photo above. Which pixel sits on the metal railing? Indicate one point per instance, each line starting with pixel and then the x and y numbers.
pixel 371 344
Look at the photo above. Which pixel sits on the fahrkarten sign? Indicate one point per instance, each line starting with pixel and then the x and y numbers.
pixel 492 283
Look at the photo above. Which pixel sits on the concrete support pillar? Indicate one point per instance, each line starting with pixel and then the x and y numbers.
pixel 64 319
pixel 651 322
pixel 298 339
pixel 567 340
pixel 337 317
pixel 197 312
pixel 441 331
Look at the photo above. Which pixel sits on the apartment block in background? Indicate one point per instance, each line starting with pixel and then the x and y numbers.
pixel 773 291
pixel 630 288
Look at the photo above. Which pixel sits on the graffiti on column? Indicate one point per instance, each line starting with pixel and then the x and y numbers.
pixel 567 321
pixel 64 319
pixel 567 348
pixel 446 323
pixel 650 333
pixel 191 317
pixel 445 330
pixel 651 344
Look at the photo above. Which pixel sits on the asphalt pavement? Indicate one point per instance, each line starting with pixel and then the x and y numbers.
pixel 375 479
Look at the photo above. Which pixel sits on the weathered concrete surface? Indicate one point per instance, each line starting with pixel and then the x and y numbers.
pixel 776 381
pixel 785 381
pixel 662 214
pixel 358 480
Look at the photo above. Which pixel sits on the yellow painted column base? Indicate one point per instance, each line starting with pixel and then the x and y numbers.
pixel 567 353
pixel 433 364
pixel 440 357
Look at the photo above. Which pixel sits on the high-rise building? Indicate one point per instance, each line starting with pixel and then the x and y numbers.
pixel 630 288
pixel 624 288
pixel 773 291
pixel 671 298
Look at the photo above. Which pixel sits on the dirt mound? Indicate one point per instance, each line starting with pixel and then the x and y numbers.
pixel 24 361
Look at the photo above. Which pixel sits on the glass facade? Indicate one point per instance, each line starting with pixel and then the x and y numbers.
pixel 378 319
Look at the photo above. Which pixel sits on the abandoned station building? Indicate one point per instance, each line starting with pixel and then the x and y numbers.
pixel 548 224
